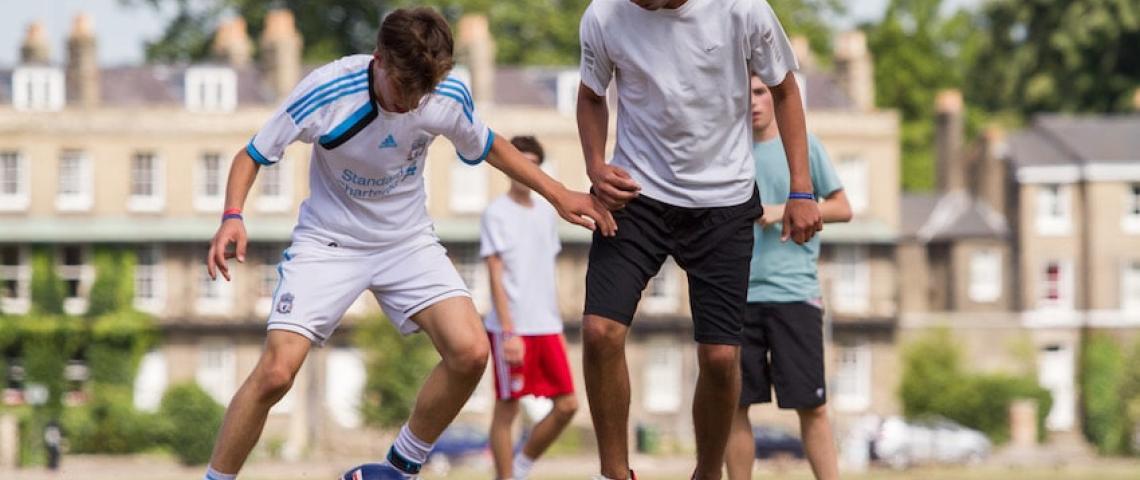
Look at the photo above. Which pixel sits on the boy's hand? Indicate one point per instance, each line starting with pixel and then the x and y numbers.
pixel 231 231
pixel 585 210
pixel 801 220
pixel 514 350
pixel 773 214
pixel 613 186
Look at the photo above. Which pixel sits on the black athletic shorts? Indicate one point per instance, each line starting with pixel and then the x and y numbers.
pixel 712 245
pixel 783 348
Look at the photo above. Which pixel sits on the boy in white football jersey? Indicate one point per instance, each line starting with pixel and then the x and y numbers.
pixel 365 225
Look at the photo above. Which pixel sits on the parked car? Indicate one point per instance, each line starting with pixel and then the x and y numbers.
pixel 460 443
pixel 772 442
pixel 901 444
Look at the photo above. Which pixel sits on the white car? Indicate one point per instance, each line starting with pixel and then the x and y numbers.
pixel 901 444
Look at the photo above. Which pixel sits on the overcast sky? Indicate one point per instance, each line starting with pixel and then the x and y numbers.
pixel 121 32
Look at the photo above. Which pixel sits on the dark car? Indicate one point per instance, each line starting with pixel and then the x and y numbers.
pixel 459 443
pixel 775 443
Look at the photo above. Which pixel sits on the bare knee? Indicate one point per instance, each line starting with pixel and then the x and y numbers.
pixel 719 360
pixel 565 406
pixel 470 359
pixel 602 335
pixel 506 410
pixel 273 380
pixel 813 413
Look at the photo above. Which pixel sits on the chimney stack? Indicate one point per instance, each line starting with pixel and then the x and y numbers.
pixel 82 64
pixel 948 138
pixel 36 48
pixel 990 176
pixel 232 44
pixel 802 47
pixel 855 70
pixel 280 53
pixel 475 48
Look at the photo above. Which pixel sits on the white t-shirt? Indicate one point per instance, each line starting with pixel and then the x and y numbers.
pixel 683 125
pixel 526 239
pixel 366 170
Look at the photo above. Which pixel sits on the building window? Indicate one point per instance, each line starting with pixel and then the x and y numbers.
pixel 985 275
pixel 344 386
pixel 852 387
pixel 211 89
pixel 75 182
pixel 473 270
pixel 1054 208
pixel 274 182
pixel 662 293
pixel 150 382
pixel 851 288
pixel 1130 287
pixel 38 88
pixel 150 284
pixel 13 182
pixel 468 188
pixel 76 275
pixel 146 183
pixel 662 380
pixel 15 275
pixel 215 297
pixel 1056 286
pixel 216 372
pixel 1131 222
pixel 268 257
pixel 209 183
pixel 853 172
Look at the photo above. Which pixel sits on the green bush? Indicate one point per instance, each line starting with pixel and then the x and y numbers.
pixel 48 290
pixel 113 289
pixel 934 384
pixel 395 366
pixel 1101 377
pixel 191 421
pixel 108 423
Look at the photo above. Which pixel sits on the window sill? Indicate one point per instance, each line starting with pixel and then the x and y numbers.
pixel 15 306
pixel 209 204
pixel 145 204
pixel 213 307
pixel 273 204
pixel 14 203
pixel 1054 228
pixel 74 204
pixel 75 306
pixel 152 306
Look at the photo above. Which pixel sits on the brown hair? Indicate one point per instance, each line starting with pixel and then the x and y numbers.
pixel 529 144
pixel 416 48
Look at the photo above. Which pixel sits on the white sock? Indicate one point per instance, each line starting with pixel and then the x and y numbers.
pixel 212 474
pixel 409 451
pixel 522 466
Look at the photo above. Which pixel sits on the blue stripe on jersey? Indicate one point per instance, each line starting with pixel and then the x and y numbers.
pixel 325 87
pixel 486 150
pixel 453 96
pixel 467 103
pixel 363 87
pixel 347 124
pixel 460 84
pixel 256 155
pixel 300 113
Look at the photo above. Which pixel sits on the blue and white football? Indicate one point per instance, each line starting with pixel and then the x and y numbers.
pixel 373 471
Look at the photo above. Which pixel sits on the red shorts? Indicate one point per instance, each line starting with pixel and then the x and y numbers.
pixel 544 371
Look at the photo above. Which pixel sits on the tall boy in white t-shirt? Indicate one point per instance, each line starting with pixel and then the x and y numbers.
pixel 519 236
pixel 365 227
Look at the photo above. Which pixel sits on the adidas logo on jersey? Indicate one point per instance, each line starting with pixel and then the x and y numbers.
pixel 389 142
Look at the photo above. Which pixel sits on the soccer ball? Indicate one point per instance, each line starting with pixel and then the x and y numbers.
pixel 373 471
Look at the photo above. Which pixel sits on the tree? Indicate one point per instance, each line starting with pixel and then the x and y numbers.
pixel 1057 55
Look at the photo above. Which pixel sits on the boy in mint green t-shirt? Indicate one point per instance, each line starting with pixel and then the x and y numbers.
pixel 783 331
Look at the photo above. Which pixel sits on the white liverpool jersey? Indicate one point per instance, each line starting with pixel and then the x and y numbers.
pixel 366 170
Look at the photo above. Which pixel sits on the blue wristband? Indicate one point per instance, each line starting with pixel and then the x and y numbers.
pixel 800 196
pixel 229 216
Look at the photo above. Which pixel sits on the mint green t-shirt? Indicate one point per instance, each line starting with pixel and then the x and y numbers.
pixel 785 271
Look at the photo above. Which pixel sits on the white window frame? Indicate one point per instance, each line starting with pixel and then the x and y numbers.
pixel 473 270
pixel 1050 222
pixel 283 200
pixel 151 381
pixel 82 199
pixel 204 201
pixel 985 275
pixel 38 88
pixel 18 201
pixel 220 380
pixel 345 380
pixel 1130 223
pixel 663 378
pixel 156 201
pixel 84 273
pixel 1130 286
pixel 22 274
pixel 854 173
pixel 851 280
pixel 210 89
pixel 157 273
pixel 663 291
pixel 1065 292
pixel 214 297
pixel 851 390
pixel 469 188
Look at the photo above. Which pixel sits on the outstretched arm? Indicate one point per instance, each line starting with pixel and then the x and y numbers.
pixel 577 208
pixel 242 173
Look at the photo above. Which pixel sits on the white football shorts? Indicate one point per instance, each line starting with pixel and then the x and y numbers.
pixel 317 284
